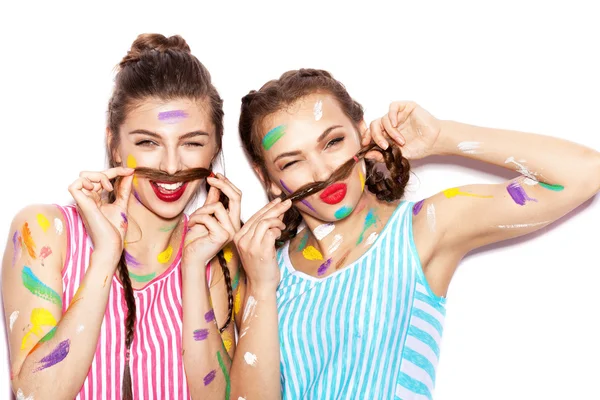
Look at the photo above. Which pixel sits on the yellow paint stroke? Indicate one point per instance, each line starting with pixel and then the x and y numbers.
pixel 227 341
pixel 453 192
pixel 28 240
pixel 165 256
pixel 77 296
pixel 131 163
pixel 39 317
pixel 311 253
pixel 237 303
pixel 228 253
pixel 362 181
pixel 43 222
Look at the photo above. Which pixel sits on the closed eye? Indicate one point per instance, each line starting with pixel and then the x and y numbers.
pixel 194 144
pixel 289 164
pixel 146 143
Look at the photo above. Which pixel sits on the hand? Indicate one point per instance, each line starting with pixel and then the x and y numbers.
pixel 255 243
pixel 212 226
pixel 407 125
pixel 105 223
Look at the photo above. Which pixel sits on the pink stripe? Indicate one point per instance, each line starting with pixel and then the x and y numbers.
pixel 168 354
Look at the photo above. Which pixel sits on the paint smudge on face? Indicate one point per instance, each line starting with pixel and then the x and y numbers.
pixel 43 222
pixel 57 355
pixel 237 303
pixel 44 253
pixel 306 203
pixel 518 194
pixel 172 117
pixel 318 110
pixel 135 193
pixel 554 188
pixel 453 192
pixel 13 318
pixel 142 278
pixel 343 212
pixel 169 228
pixel 337 241
pixel 521 168
pixel 225 374
pixel 370 220
pixel 210 377
pixel 58 226
pixel 470 147
pixel 303 241
pixel 228 253
pixel 311 253
pixel 273 136
pixel 324 267
pixel 418 206
pixel 372 238
pixel 516 226
pixel 250 308
pixel 28 240
pixel 80 329
pixel 131 261
pixel 209 316
pixel 236 280
pixel 17 241
pixel 323 230
pixel 250 359
pixel 431 217
pixel 38 288
pixel 21 395
pixel 165 256
pixel 200 334
pixel 361 176
pixel 227 340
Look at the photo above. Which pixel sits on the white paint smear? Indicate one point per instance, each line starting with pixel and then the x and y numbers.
pixel 337 240
pixel 13 318
pixel 58 225
pixel 431 217
pixel 372 238
pixel 250 358
pixel 80 329
pixel 521 168
pixel 470 147
pixel 322 231
pixel 244 331
pixel 318 110
pixel 250 307
pixel 522 225
pixel 530 182
pixel 21 396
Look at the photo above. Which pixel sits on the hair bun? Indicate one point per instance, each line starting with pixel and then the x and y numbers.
pixel 147 42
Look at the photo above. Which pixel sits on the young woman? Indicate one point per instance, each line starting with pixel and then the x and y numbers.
pixel 110 298
pixel 352 301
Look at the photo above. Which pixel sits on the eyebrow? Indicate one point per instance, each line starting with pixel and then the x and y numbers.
pixel 157 136
pixel 319 139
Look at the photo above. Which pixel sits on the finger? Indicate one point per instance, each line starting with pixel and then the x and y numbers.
pixel 393 112
pixel 375 155
pixel 404 110
pixel 270 237
pixel 215 229
pixel 223 177
pixel 257 215
pixel 233 193
pixel 124 191
pixel 377 133
pixel 84 202
pixel 220 213
pixel 364 133
pixel 261 229
pixel 213 195
pixel 391 131
pixel 112 173
pixel 274 212
pixel 98 177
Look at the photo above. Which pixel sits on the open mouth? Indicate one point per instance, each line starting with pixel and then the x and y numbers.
pixel 333 194
pixel 168 192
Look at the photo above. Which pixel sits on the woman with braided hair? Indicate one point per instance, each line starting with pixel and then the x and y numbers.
pixel 346 282
pixel 112 297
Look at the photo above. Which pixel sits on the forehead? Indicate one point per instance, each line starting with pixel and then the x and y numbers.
pixel 179 115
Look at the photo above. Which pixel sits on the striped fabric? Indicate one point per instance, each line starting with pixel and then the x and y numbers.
pixel 369 331
pixel 155 360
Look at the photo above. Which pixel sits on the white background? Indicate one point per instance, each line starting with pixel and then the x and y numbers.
pixel 523 315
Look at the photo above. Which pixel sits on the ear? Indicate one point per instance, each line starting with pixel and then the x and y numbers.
pixel 109 139
pixel 271 187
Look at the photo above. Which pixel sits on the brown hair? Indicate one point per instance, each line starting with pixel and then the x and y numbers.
pixel 163 68
pixel 280 93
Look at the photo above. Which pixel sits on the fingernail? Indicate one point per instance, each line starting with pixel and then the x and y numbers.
pixel 287 202
pixel 212 175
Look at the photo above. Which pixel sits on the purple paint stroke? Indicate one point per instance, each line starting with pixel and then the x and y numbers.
pixel 323 268
pixel 57 355
pixel 417 207
pixel 210 316
pixel 137 196
pixel 210 377
pixel 124 216
pixel 306 203
pixel 16 239
pixel 131 260
pixel 200 334
pixel 518 194
pixel 172 116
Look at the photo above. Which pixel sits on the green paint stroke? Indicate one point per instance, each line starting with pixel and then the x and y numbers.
pixel 169 228
pixel 370 220
pixel 273 136
pixel 343 212
pixel 236 280
pixel 555 188
pixel 226 373
pixel 142 278
pixel 48 335
pixel 38 288
pixel 303 241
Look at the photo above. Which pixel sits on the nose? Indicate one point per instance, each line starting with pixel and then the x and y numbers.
pixel 322 169
pixel 171 162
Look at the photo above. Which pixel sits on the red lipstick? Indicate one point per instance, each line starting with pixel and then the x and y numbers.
pixel 168 195
pixel 333 194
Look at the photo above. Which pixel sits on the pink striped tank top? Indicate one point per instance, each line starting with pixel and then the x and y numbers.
pixel 155 359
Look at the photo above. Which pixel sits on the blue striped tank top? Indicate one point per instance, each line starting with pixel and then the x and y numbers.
pixel 371 330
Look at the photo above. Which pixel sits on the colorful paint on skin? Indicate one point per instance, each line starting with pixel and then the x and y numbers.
pixel 165 256
pixel 225 375
pixel 453 192
pixel 210 377
pixel 236 280
pixel 210 315
pixel 312 254
pixel 227 340
pixel 518 194
pixel 303 241
pixel 80 329
pixel 28 240
pixel 200 334
pixel 131 261
pixel 13 319
pixel 44 253
pixel 370 220
pixel 521 168
pixel 250 359
pixel 39 317
pixel 516 226
pixel 169 228
pixel 124 222
pixel 57 355
pixel 335 244
pixel 132 163
pixel 43 222
pixel 342 260
pixel 431 217
pixel 554 188
pixel 105 279
pixel 306 203
pixel 418 206
pixel 323 230
pixel 135 193
pixel 172 117
pixel 46 337
pixel 470 147
pixel 77 296
pixel 228 253
pixel 16 239
pixel 38 288
pixel 343 212
pixel 324 267
pixel 318 110
pixel 361 176
pixel 273 136
pixel 372 238
pixel 250 307
pixel 237 303
pixel 142 278
pixel 58 226
pixel 21 395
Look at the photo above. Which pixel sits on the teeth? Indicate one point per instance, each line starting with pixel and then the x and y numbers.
pixel 169 186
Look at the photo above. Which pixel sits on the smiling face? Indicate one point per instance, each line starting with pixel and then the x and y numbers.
pixel 306 143
pixel 168 136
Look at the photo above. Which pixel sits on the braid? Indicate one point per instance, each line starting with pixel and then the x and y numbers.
pixel 129 325
pixel 227 276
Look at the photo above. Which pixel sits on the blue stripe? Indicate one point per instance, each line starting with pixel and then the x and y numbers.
pixel 425 338
pixel 433 303
pixel 419 360
pixel 430 319
pixel 415 386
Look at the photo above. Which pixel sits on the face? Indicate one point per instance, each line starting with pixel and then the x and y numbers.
pixel 171 137
pixel 307 143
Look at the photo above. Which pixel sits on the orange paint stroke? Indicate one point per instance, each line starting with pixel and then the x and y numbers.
pixel 28 240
